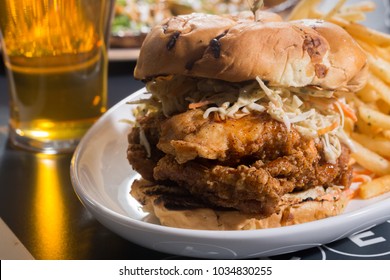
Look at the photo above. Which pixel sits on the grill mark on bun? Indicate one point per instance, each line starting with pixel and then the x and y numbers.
pixel 172 41
pixel 321 70
pixel 189 65
pixel 189 202
pixel 311 45
pixel 215 45
pixel 172 202
pixel 165 27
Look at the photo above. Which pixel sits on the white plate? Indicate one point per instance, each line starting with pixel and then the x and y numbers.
pixel 102 176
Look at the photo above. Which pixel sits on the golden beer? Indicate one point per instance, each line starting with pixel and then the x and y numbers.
pixel 55 53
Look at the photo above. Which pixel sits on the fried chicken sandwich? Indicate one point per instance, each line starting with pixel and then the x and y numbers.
pixel 243 128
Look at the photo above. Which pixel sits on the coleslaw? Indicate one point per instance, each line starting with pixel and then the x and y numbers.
pixel 312 111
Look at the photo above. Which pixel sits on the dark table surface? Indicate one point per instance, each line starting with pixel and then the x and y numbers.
pixel 55 225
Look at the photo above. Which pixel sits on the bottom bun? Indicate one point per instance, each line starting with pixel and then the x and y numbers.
pixel 175 207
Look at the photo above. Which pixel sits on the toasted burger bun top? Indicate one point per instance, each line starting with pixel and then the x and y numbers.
pixel 235 49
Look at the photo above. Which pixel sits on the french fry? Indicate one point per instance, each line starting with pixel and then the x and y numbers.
pixel 386 134
pixel 334 10
pixel 377 144
pixel 362 6
pixel 380 67
pixel 303 9
pixel 374 49
pixel 370 160
pixel 363 33
pixel 383 107
pixel 374 188
pixel 374 118
pixel 355 12
pixel 381 88
pixel 353 16
pixel 368 94
pixel 383 52
pixel 364 128
pixel 349 125
pixel 367 129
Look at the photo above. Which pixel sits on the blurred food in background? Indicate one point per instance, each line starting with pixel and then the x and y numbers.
pixel 134 18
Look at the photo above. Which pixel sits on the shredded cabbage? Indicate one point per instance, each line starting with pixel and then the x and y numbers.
pixel 143 140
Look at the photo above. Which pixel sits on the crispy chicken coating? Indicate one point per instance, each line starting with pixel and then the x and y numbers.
pixel 245 164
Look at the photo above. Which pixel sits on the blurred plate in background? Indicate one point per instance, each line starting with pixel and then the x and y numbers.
pixel 134 18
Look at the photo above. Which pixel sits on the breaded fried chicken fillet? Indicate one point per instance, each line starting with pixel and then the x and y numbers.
pixel 255 167
pixel 189 135
pixel 250 179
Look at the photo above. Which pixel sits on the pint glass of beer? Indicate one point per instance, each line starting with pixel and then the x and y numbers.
pixel 55 54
